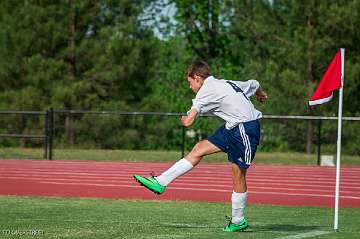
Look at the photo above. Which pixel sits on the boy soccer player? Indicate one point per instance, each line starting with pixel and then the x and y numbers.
pixel 238 138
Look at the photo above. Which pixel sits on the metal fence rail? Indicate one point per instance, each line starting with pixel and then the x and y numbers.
pixel 310 117
pixel 300 117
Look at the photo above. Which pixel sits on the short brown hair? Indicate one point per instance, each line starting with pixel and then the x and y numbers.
pixel 200 68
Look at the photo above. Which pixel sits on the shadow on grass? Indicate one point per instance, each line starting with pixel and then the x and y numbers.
pixel 284 228
pixel 252 228
pixel 184 225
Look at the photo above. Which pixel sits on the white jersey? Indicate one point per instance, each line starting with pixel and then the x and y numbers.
pixel 228 100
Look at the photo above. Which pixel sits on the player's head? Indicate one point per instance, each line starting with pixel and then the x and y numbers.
pixel 197 72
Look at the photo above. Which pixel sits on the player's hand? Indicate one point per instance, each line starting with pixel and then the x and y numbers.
pixel 189 119
pixel 186 121
pixel 261 96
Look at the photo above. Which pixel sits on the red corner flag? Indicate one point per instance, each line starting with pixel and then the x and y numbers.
pixel 330 82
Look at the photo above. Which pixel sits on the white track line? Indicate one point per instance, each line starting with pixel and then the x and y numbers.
pixel 130 182
pixel 193 174
pixel 198 173
pixel 185 179
pixel 201 189
pixel 202 176
pixel 301 181
pixel 107 165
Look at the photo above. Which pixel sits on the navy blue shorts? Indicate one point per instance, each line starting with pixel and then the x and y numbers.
pixel 240 143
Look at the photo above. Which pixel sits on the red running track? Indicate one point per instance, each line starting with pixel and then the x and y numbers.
pixel 279 185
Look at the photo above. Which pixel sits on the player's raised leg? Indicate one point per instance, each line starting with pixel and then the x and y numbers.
pixel 201 149
pixel 238 200
pixel 158 184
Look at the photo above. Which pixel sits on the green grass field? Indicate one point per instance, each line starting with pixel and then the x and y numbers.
pixel 108 218
pixel 163 156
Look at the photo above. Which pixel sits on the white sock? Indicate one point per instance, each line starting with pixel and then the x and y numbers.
pixel 179 168
pixel 238 206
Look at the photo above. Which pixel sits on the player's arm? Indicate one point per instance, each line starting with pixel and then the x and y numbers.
pixel 190 118
pixel 252 87
pixel 206 100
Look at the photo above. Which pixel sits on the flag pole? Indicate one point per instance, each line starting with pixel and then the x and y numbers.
pixel 338 151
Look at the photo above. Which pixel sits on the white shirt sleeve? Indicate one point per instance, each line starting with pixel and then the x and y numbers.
pixel 206 99
pixel 248 87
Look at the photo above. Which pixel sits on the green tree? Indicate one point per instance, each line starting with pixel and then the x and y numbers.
pixel 74 55
pixel 204 26
pixel 287 45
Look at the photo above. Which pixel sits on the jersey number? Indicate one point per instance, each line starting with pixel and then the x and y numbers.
pixel 237 88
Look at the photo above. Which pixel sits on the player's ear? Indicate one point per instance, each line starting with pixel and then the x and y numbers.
pixel 198 78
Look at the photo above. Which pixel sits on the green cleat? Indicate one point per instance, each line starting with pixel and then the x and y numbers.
pixel 232 227
pixel 150 183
